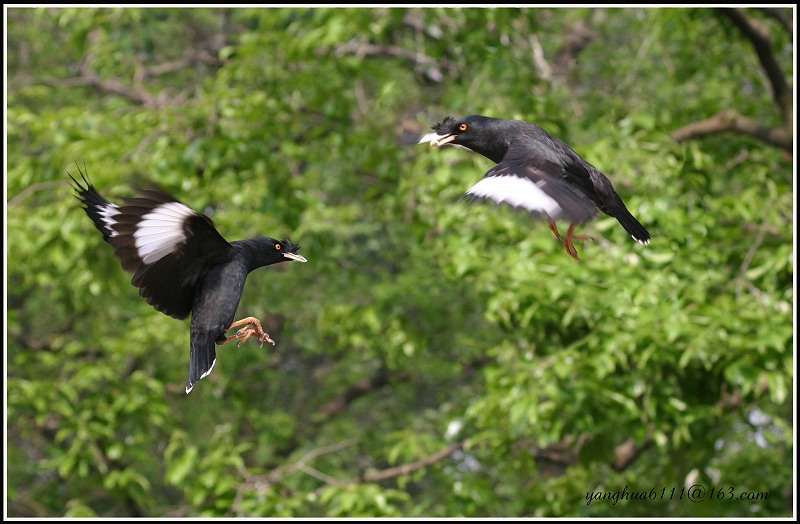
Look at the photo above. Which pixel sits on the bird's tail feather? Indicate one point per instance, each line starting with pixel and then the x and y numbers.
pixel 202 357
pixel 632 226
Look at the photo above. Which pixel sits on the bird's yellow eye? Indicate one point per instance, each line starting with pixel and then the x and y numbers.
pixel 277 247
pixel 463 127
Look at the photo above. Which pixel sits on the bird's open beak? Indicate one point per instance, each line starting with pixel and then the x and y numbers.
pixel 436 139
pixel 295 256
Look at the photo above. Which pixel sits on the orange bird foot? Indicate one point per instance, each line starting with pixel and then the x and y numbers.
pixel 567 241
pixel 252 328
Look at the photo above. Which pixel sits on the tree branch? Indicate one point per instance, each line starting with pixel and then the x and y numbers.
pixel 579 36
pixel 729 401
pixel 628 452
pixel 33 188
pixel 759 38
pixel 167 67
pixel 308 457
pixel 89 77
pixel 730 120
pixel 556 458
pixel 357 390
pixel 259 482
pixel 203 50
pixel 542 66
pixel 741 277
pixel 423 63
pixel 405 469
pixel 781 15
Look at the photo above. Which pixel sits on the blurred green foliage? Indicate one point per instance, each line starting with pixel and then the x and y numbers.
pixel 434 358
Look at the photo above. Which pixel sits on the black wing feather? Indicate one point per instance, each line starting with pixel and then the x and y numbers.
pixel 169 283
pixel 552 179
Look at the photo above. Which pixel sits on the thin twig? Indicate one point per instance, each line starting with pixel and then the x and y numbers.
pixel 741 277
pixel 422 62
pixel 327 479
pixel 405 469
pixel 544 69
pixel 33 188
pixel 263 481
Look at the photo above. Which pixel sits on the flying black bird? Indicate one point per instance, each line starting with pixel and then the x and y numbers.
pixel 182 265
pixel 538 172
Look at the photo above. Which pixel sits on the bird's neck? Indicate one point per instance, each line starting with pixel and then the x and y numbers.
pixel 495 152
pixel 494 144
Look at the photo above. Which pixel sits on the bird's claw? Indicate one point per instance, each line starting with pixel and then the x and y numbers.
pixel 264 337
pixel 252 327
pixel 567 240
pixel 571 250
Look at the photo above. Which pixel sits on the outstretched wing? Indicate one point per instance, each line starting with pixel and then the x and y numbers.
pixel 166 245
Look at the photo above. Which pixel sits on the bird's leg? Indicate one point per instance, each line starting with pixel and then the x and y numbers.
pixel 567 241
pixel 253 327
pixel 554 229
pixel 569 238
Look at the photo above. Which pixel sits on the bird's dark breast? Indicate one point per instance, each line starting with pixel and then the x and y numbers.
pixel 218 296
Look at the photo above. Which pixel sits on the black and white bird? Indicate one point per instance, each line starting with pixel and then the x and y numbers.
pixel 182 265
pixel 537 172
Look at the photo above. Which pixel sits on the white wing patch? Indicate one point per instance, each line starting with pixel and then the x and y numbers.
pixel 106 213
pixel 160 231
pixel 518 192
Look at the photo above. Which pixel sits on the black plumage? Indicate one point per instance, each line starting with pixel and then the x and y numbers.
pixel 182 265
pixel 538 172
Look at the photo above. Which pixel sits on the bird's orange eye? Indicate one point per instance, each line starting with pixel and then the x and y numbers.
pixel 463 127
pixel 278 247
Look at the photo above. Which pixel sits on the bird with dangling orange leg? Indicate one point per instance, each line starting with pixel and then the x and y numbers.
pixel 537 172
